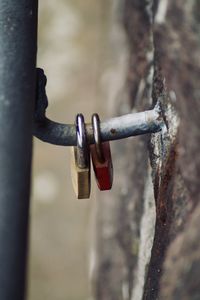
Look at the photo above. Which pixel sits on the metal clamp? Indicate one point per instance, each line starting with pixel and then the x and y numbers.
pixel 113 129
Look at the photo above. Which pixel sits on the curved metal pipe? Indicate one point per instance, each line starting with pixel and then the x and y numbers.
pixel 112 129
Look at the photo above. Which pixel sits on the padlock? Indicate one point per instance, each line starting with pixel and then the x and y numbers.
pixel 101 158
pixel 80 162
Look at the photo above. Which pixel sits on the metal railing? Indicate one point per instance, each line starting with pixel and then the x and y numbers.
pixel 18 38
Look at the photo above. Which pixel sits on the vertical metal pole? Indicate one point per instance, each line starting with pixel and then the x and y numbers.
pixel 18 34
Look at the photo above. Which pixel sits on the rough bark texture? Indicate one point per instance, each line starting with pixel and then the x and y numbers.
pixel 148 241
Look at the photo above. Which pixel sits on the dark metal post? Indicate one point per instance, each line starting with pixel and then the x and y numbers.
pixel 18 34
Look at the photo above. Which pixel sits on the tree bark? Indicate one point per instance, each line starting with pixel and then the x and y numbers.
pixel 147 229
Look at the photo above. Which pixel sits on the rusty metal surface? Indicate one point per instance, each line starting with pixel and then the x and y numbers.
pixel 112 129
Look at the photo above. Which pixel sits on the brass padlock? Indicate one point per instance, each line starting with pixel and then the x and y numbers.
pixel 80 161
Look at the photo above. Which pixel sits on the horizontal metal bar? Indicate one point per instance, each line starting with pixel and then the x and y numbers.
pixel 113 129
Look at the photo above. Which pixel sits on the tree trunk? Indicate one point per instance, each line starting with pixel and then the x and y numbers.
pixel 147 239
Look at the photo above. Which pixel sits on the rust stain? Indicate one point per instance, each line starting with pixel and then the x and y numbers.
pixel 168 172
pixel 113 131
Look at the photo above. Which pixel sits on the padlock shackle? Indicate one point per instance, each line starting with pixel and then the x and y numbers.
pixel 97 137
pixel 82 145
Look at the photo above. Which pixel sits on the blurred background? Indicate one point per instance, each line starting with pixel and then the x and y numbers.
pixel 80 60
pixel 82 48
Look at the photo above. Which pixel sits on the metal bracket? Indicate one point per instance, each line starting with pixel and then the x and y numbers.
pixel 113 129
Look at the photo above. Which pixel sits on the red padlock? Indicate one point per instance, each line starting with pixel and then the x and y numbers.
pixel 101 158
